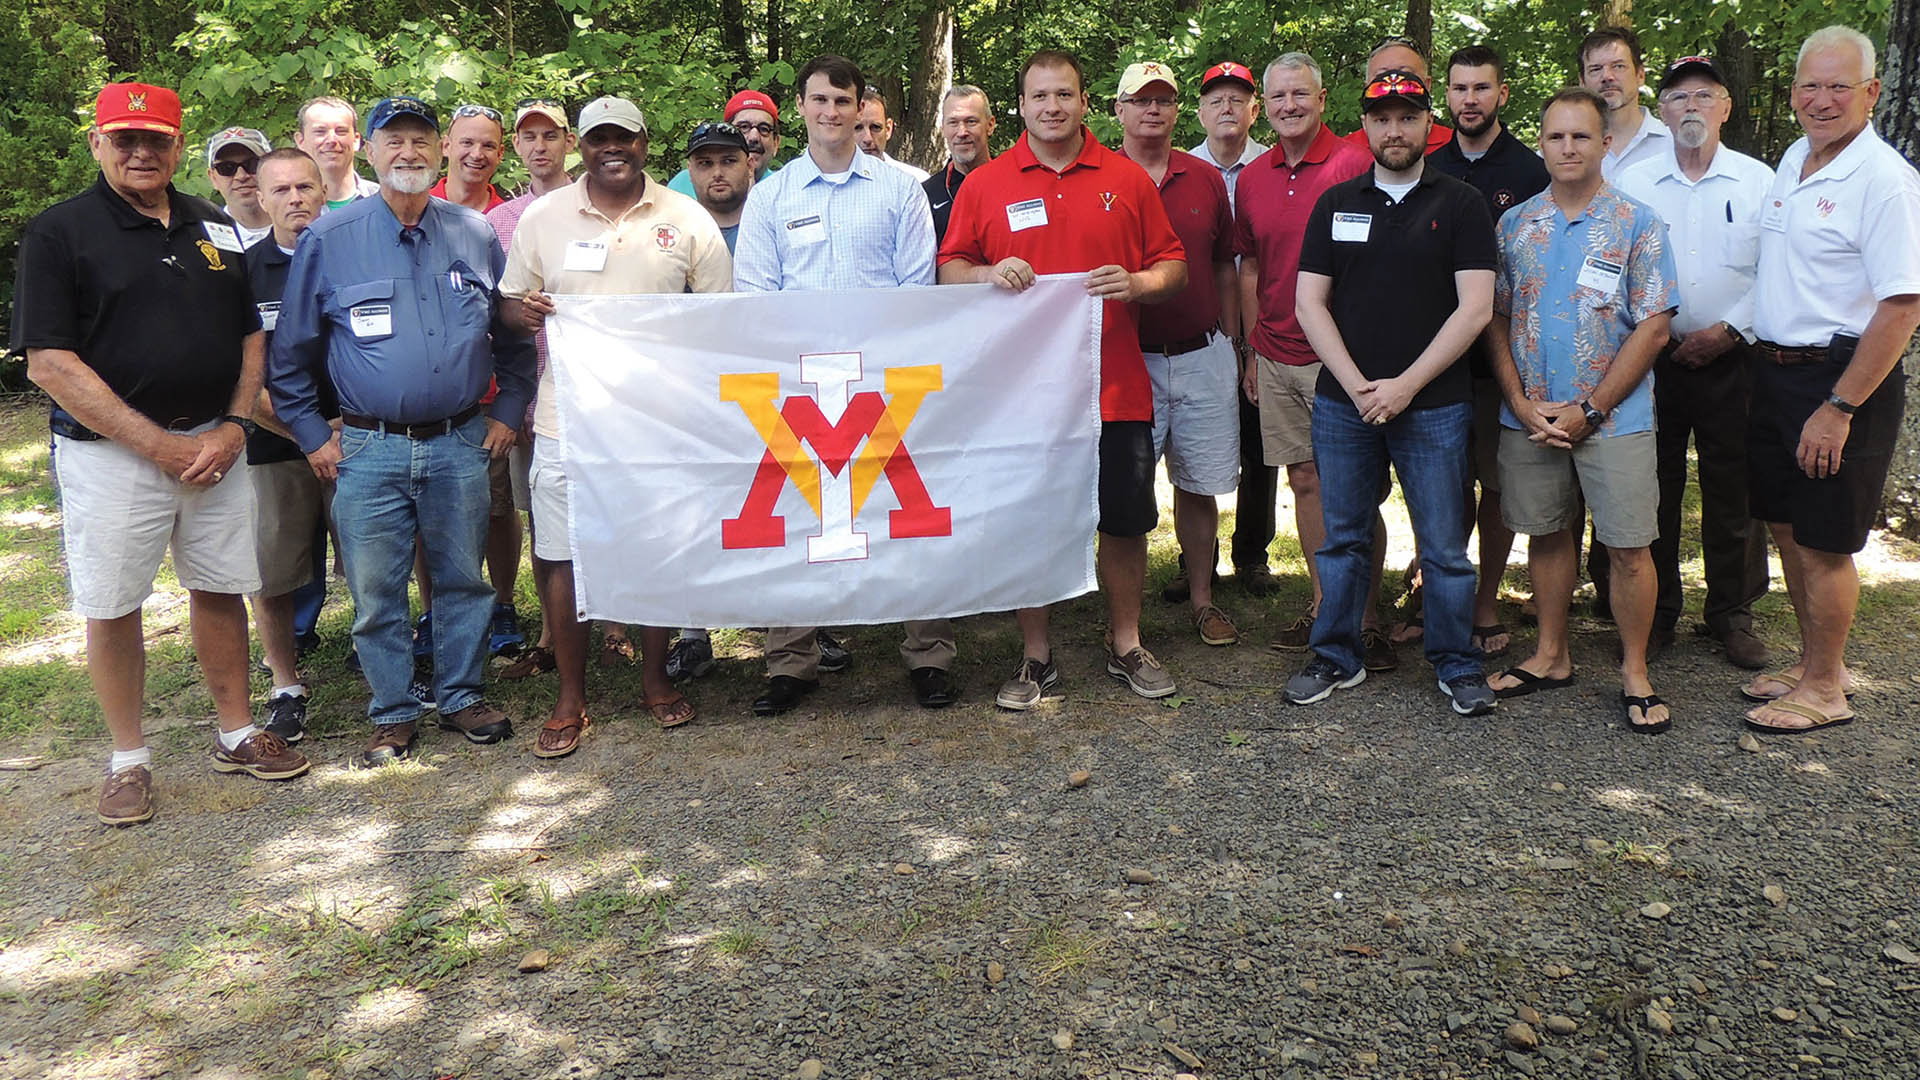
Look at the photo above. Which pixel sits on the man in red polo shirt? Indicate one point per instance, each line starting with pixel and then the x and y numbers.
pixel 1187 341
pixel 475 142
pixel 1058 203
pixel 1272 202
pixel 1401 54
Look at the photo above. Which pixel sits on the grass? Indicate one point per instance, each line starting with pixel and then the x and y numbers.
pixel 1055 951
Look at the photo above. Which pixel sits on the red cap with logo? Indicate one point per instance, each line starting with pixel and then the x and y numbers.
pixel 750 99
pixel 1227 69
pixel 137 107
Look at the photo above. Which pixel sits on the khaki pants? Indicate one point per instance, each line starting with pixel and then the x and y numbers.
pixel 795 651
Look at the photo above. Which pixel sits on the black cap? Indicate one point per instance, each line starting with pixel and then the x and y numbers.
pixel 1691 65
pixel 717 133
pixel 1389 86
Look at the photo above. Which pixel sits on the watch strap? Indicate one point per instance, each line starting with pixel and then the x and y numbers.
pixel 1842 404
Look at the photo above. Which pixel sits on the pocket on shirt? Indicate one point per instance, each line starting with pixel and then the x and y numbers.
pixel 1740 246
pixel 365 310
pixel 469 303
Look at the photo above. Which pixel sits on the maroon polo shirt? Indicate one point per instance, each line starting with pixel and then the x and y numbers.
pixel 1274 200
pixel 1195 196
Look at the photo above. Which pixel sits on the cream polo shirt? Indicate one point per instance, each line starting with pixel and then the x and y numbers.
pixel 1713 229
pixel 1834 245
pixel 665 243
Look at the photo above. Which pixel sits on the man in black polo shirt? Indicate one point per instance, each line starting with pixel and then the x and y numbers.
pixel 1507 172
pixel 133 309
pixel 966 122
pixel 1396 280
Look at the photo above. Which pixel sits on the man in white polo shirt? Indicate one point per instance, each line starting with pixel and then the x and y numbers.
pixel 1710 197
pixel 1612 66
pixel 615 232
pixel 1837 301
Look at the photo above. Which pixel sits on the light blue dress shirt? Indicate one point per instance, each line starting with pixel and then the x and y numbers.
pixel 800 230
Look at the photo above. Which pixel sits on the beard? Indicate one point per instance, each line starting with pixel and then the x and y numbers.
pixel 1692 133
pixel 1397 158
pixel 1487 120
pixel 408 180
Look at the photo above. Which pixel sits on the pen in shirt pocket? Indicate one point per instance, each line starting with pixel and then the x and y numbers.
pixel 1729 211
pixel 453 277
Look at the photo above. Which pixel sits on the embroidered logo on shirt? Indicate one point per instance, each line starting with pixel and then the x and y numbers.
pixel 212 255
pixel 1107 198
pixel 1503 198
pixel 1824 207
pixel 665 236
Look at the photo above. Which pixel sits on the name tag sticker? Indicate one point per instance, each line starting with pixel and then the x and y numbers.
pixel 1030 214
pixel 224 237
pixel 585 256
pixel 1773 217
pixel 269 315
pixel 371 320
pixel 1601 275
pixel 811 229
pixel 1352 228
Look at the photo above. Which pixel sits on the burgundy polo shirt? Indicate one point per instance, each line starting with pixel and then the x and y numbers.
pixel 1195 197
pixel 1102 210
pixel 1274 200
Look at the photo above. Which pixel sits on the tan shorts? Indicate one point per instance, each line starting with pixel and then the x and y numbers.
pixel 519 471
pixel 1286 410
pixel 290 502
pixel 500 486
pixel 1541 487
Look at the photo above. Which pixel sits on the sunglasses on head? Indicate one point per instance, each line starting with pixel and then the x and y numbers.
pixel 477 110
pixel 1393 84
pixel 232 166
pixel 525 103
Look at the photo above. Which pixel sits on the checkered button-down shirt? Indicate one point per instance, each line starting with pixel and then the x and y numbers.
pixel 802 231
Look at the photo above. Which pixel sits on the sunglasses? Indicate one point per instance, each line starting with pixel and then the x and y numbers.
pixel 1393 84
pixel 233 166
pixel 128 142
pixel 477 110
pixel 526 103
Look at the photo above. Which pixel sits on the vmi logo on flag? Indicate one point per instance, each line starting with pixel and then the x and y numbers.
pixel 862 441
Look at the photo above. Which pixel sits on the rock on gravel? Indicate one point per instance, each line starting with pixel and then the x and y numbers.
pixel 1656 910
pixel 811 1069
pixel 1137 875
pixel 1562 1025
pixel 537 960
pixel 1660 1020
pixel 995 973
pixel 1079 778
pixel 1748 743
pixel 1521 1036
pixel 1063 1039
pixel 1900 954
pixel 1185 1057
pixel 1775 895
pixel 1784 1014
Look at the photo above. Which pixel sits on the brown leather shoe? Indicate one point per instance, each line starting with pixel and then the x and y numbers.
pixel 262 755
pixel 479 722
pixel 1376 651
pixel 127 797
pixel 390 743
pixel 1295 637
pixel 1214 626
pixel 1744 650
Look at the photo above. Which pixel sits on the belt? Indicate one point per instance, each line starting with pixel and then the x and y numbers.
pixel 1181 347
pixel 1791 356
pixel 426 429
pixel 67 427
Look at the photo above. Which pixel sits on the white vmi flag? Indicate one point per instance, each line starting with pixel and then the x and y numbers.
pixel 825 458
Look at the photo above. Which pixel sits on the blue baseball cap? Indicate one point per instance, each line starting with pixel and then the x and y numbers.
pixel 384 111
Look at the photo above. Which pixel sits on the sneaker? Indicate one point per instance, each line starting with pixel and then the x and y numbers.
pixel 263 755
pixel 287 717
pixel 833 655
pixel 1470 694
pixel 1031 681
pixel 127 797
pixel 423 637
pixel 503 633
pixel 421 686
pixel 1297 636
pixel 689 658
pixel 1141 672
pixel 1376 651
pixel 1214 626
pixel 390 743
pixel 1321 678
pixel 480 722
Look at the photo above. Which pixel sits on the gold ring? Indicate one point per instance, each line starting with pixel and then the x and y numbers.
pixel 218 476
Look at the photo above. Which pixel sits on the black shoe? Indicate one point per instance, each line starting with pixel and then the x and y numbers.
pixel 287 717
pixel 833 655
pixel 305 643
pixel 783 693
pixel 932 687
pixel 1255 579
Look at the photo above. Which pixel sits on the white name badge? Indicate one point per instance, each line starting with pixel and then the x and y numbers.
pixel 371 320
pixel 585 256
pixel 1030 214
pixel 1773 217
pixel 807 230
pixel 1601 275
pixel 1352 228
pixel 224 237
pixel 269 315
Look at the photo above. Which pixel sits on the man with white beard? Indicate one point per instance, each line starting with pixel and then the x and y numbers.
pixel 1711 197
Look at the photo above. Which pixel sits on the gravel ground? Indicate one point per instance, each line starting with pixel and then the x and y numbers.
pixel 1372 887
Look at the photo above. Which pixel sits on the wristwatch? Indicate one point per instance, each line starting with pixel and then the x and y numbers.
pixel 1842 404
pixel 247 427
pixel 1594 416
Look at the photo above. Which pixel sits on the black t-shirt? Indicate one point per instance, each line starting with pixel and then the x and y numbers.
pixel 941 188
pixel 1392 266
pixel 267 269
pixel 1508 174
pixel 158 312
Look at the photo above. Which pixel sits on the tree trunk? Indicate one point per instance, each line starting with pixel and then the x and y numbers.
pixel 1899 123
pixel 773 31
pixel 1619 13
pixel 1734 52
pixel 916 136
pixel 1420 24
pixel 733 32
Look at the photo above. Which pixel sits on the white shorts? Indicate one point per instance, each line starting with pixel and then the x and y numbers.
pixel 552 532
pixel 1196 417
pixel 120 513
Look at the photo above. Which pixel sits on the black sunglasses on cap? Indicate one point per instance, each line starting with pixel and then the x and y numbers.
pixel 232 166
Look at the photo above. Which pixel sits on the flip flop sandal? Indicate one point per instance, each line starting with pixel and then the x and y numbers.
pixel 534 661
pixel 1629 702
pixel 671 712
pixel 1530 683
pixel 1784 679
pixel 566 737
pixel 1482 633
pixel 1805 712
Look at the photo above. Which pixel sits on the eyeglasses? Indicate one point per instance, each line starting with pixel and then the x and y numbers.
pixel 130 142
pixel 1836 89
pixel 231 166
pixel 463 111
pixel 1150 102
pixel 1701 98
pixel 760 126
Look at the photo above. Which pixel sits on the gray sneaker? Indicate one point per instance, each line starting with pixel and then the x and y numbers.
pixel 1141 672
pixel 1320 679
pixel 1030 682
pixel 1470 694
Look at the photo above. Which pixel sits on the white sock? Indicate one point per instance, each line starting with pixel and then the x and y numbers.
pixel 694 635
pixel 122 760
pixel 296 690
pixel 232 739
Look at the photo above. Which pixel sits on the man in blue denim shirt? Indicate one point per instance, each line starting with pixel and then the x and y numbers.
pixel 398 298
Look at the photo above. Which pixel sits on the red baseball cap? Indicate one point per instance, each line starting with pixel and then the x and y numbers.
pixel 750 99
pixel 137 107
pixel 1227 69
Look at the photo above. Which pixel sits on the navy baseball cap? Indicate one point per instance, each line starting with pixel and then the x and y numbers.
pixel 384 111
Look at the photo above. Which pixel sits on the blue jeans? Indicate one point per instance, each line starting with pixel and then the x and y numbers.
pixel 391 487
pixel 1429 449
